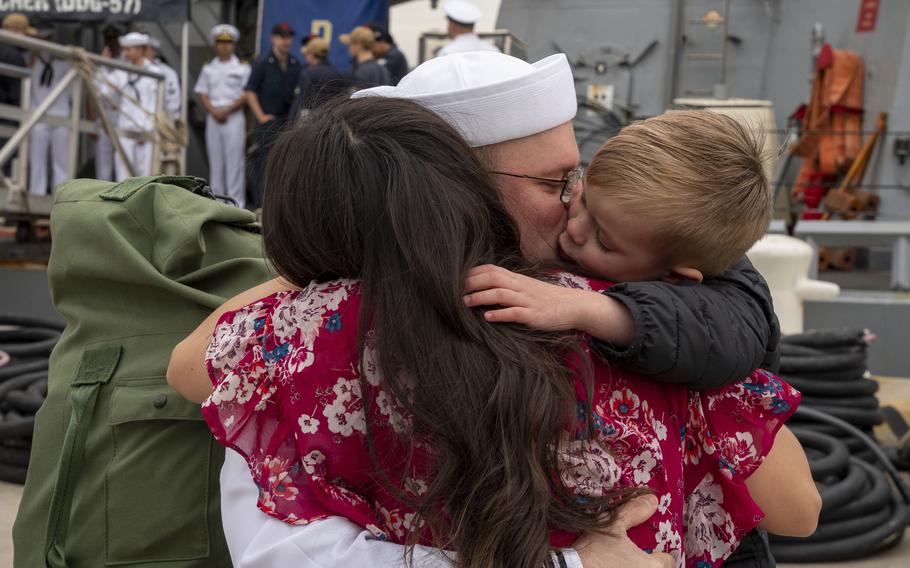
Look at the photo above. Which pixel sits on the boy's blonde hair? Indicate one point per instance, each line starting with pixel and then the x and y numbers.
pixel 697 176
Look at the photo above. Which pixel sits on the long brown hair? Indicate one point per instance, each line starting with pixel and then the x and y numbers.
pixel 387 192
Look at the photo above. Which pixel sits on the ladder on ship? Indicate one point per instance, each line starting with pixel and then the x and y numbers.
pixel 705 48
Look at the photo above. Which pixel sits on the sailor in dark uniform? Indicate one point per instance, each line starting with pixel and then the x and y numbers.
pixel 270 94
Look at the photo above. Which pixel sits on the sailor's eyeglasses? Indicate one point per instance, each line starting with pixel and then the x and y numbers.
pixel 568 183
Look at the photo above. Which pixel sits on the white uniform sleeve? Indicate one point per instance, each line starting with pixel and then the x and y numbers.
pixel 256 540
pixel 202 83
pixel 172 102
pixel 108 83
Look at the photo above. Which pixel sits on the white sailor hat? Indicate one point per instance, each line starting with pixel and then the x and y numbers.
pixel 154 43
pixel 224 32
pixel 134 39
pixel 488 96
pixel 462 11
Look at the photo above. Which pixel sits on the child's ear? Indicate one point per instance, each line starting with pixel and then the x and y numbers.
pixel 682 272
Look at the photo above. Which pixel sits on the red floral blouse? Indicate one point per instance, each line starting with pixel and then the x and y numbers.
pixel 287 397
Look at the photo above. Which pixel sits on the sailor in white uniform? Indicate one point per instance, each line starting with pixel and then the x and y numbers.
pixel 462 16
pixel 220 89
pixel 172 102
pixel 137 97
pixel 47 71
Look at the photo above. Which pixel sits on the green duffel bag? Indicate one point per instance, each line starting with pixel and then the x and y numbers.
pixel 123 470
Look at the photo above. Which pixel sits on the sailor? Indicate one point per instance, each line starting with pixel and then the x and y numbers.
pixel 387 53
pixel 47 140
pixel 137 97
pixel 366 71
pixel 270 94
pixel 220 89
pixel 319 81
pixel 462 16
pixel 172 102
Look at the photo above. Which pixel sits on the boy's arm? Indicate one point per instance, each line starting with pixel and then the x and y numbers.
pixel 703 335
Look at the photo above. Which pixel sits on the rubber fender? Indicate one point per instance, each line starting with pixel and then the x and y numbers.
pixel 826 362
pixel 835 456
pixel 864 402
pixel 872 498
pixel 858 546
pixel 826 338
pixel 811 387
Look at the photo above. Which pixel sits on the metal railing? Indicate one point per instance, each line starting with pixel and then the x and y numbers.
pixel 81 78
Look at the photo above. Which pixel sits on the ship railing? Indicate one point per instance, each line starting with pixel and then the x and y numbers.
pixel 82 78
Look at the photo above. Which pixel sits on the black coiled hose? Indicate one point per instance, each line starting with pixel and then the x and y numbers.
pixel 25 344
pixel 829 368
pixel 861 513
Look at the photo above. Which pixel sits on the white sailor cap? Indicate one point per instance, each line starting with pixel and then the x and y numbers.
pixel 224 32
pixel 462 11
pixel 134 39
pixel 154 43
pixel 488 96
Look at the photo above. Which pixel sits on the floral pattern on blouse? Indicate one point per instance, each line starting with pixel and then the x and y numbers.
pixel 288 396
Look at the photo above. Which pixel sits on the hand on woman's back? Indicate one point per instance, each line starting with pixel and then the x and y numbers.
pixel 614 548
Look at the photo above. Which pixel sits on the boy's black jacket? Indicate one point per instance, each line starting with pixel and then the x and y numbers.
pixel 702 335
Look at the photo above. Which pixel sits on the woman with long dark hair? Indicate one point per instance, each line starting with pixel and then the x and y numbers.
pixel 359 384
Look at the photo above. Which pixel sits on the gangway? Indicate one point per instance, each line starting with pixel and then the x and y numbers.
pixel 167 141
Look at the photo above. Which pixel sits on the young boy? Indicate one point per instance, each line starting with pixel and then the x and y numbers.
pixel 678 198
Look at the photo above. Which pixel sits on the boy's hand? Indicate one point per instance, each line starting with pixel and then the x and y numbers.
pixel 525 300
pixel 548 307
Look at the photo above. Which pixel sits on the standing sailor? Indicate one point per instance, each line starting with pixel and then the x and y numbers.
pixel 387 53
pixel 366 72
pixel 462 16
pixel 172 102
pixel 319 81
pixel 46 73
pixel 220 88
pixel 270 94
pixel 137 97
